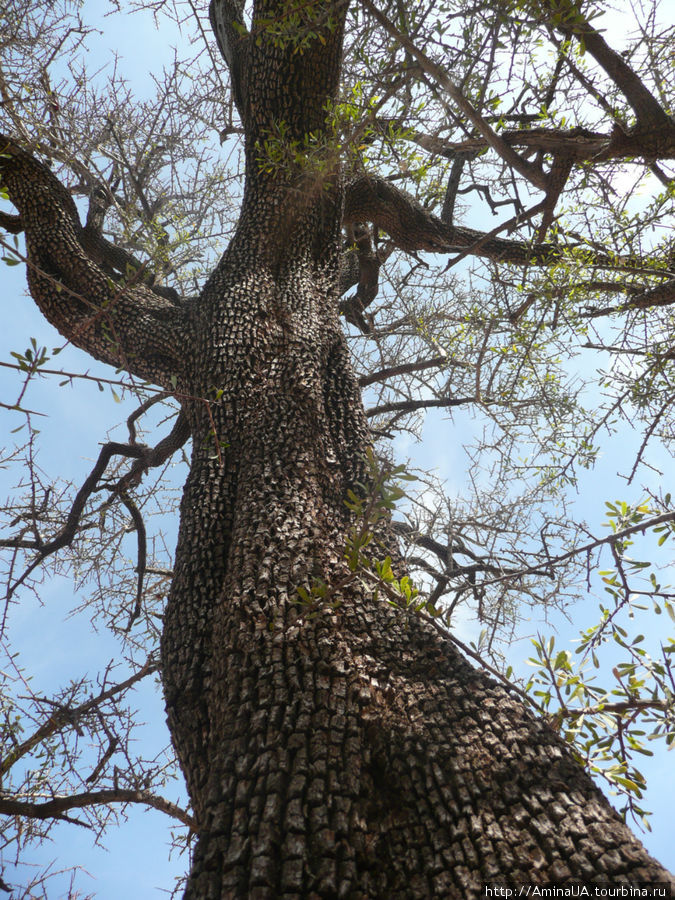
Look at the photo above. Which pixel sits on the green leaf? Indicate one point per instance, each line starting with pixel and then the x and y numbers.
pixel 561 660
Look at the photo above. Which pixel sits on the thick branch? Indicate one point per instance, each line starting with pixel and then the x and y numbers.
pixel 114 260
pixel 292 190
pixel 227 23
pixel 576 144
pixel 546 140
pixel 157 455
pixel 645 106
pixel 413 228
pixel 626 706
pixel 458 163
pixel 661 295
pixel 366 277
pixel 126 325
pixel 370 198
pixel 11 223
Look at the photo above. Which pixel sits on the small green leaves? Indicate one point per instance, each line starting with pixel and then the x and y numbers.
pixel 608 724
pixel 32 358
pixel 219 445
pixel 370 502
pixel 374 503
pixel 319 598
pixel 288 158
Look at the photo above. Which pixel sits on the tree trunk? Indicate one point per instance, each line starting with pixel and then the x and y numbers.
pixel 347 750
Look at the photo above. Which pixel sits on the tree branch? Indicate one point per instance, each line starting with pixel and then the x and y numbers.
pixel 610 539
pixel 58 806
pixel 369 198
pixel 533 173
pixel 69 716
pixel 10 223
pixel 367 278
pixel 576 144
pixel 141 542
pixel 414 405
pixel 227 23
pixel 124 324
pixel 661 295
pixel 144 457
pixel 645 106
pixel 438 362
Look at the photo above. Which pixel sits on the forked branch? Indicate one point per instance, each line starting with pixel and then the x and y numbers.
pixel 144 458
pixel 370 198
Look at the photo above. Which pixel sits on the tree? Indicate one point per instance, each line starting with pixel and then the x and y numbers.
pixel 333 739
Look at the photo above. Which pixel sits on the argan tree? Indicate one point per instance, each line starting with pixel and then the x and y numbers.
pixel 333 739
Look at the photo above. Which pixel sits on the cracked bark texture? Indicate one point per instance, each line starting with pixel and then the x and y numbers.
pixel 349 752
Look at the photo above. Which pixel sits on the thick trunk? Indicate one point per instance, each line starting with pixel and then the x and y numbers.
pixel 343 750
pixel 354 757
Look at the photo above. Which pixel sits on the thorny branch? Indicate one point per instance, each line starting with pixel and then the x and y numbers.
pixel 144 458
pixel 58 807
pixel 69 716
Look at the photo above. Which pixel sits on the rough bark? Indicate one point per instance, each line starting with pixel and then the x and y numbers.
pixel 119 321
pixel 344 750
pixel 575 145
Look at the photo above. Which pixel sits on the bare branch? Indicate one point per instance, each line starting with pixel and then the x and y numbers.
pixel 438 362
pixel 68 716
pixel 533 173
pixel 59 806
pixel 414 405
pixel 145 458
